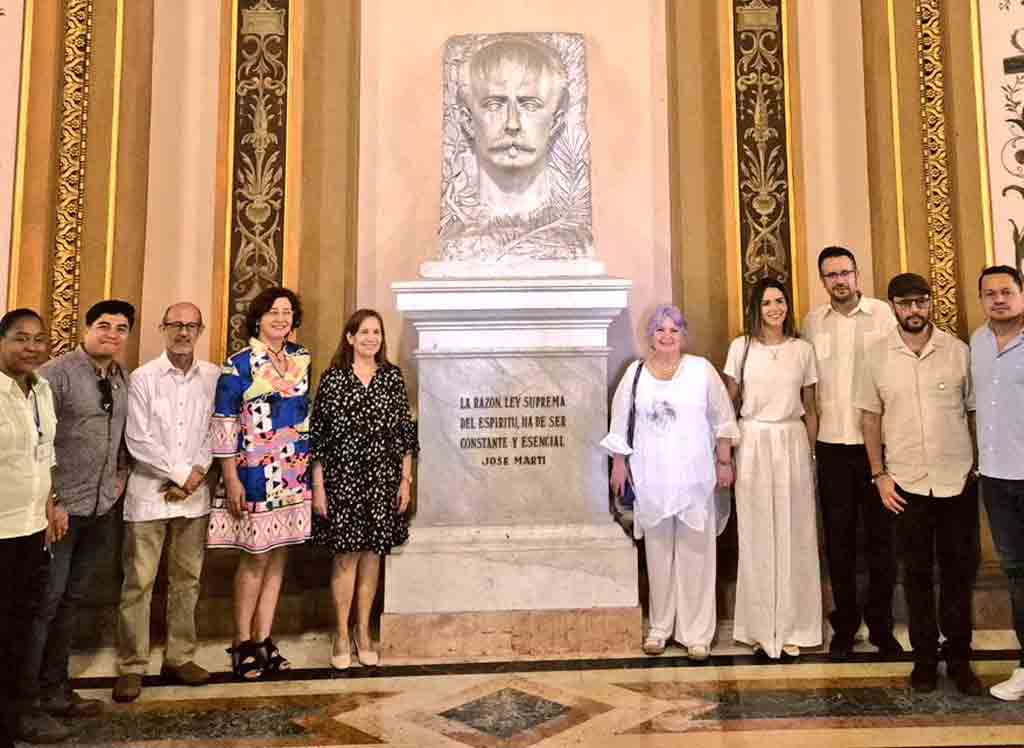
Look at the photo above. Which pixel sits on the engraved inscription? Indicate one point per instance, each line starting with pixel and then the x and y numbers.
pixel 512 430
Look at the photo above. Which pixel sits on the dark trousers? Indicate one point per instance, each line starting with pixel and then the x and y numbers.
pixel 947 528
pixel 75 558
pixel 1004 500
pixel 847 494
pixel 24 563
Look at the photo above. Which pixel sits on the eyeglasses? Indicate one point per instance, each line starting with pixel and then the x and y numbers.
pixel 106 394
pixel 192 327
pixel 921 302
pixel 839 275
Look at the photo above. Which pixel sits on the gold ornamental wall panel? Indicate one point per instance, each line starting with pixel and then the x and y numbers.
pixel 74 116
pixel 763 182
pixel 257 182
pixel 941 250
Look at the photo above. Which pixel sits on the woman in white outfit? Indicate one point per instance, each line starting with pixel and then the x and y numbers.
pixel 772 373
pixel 683 417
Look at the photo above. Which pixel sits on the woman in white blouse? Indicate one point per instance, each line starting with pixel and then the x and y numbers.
pixel 771 374
pixel 683 416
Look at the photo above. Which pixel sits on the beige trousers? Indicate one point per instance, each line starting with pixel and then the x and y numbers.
pixel 143 547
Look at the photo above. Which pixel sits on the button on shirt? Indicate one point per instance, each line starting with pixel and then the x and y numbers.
pixel 923 401
pixel 839 342
pixel 27 428
pixel 999 383
pixel 167 434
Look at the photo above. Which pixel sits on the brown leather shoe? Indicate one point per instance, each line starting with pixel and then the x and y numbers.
pixel 127 688
pixel 187 674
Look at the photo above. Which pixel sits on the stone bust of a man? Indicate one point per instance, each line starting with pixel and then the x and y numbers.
pixel 516 170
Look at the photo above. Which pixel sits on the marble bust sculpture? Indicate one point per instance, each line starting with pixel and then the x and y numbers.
pixel 515 185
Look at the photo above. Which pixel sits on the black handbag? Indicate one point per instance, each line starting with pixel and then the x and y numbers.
pixel 628 492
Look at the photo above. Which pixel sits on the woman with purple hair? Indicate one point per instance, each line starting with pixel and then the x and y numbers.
pixel 672 417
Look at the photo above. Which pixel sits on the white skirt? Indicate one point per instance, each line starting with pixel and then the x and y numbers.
pixel 778 584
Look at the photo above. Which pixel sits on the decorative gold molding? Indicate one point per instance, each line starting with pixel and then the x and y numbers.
pixel 982 124
pixel 14 269
pixel 897 136
pixel 762 141
pixel 115 136
pixel 257 180
pixel 941 253
pixel 74 115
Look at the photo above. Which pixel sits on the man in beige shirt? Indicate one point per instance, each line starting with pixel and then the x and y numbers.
pixel 840 331
pixel 915 395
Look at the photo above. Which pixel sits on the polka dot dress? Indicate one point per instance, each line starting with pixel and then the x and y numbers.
pixel 360 434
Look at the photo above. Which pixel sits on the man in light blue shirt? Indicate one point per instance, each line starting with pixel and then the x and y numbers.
pixel 997 368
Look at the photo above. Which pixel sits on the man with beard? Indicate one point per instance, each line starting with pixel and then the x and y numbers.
pixel 840 331
pixel 997 365
pixel 915 395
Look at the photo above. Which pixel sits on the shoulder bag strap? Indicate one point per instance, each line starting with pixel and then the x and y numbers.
pixel 632 406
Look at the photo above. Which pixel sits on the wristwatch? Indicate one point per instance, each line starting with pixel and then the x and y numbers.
pixel 879 474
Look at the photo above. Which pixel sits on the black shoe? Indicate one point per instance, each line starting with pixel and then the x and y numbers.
pixel 924 677
pixel 888 645
pixel 964 678
pixel 840 648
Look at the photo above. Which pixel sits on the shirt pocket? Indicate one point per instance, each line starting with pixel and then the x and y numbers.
pixel 945 391
pixel 823 346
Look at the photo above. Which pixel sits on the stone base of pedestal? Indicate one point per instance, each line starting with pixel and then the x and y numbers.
pixel 512 633
pixel 453 569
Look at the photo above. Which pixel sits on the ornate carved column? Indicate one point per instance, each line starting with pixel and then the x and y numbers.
pixel 941 252
pixel 74 114
pixel 258 147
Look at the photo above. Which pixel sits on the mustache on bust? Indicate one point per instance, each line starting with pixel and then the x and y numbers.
pixel 506 145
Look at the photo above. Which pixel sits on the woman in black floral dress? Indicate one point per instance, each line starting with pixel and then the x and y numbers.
pixel 363 441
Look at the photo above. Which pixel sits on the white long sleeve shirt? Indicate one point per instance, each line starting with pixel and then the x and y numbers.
pixel 168 434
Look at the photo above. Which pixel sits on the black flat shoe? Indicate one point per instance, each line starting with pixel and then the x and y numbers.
pixel 924 678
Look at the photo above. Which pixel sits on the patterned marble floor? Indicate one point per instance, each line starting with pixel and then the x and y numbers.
pixel 630 702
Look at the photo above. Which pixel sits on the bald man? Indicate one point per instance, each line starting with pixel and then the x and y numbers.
pixel 170 401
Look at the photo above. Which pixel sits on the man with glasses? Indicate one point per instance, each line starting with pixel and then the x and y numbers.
pixel 997 367
pixel 170 401
pixel 90 399
pixel 840 331
pixel 916 397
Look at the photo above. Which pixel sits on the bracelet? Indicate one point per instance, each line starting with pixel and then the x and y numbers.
pixel 879 474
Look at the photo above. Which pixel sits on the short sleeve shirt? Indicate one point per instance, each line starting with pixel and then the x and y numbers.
pixel 998 378
pixel 839 342
pixel 923 400
pixel 773 377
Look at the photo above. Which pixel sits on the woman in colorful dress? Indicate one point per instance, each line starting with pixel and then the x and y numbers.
pixel 259 432
pixel 363 444
pixel 681 450
pixel 772 373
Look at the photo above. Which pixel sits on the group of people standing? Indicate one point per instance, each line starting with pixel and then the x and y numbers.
pixel 870 409
pixel 78 432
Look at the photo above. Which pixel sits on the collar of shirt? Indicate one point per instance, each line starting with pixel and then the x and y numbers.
pixel 84 359
pixel 10 384
pixel 995 343
pixel 167 367
pixel 861 308
pixel 935 342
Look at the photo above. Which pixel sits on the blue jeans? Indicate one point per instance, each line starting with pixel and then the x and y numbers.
pixel 1004 500
pixel 75 558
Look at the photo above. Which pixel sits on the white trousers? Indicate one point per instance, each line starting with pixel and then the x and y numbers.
pixel 681 568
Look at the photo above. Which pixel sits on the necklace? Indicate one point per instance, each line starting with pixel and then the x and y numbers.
pixel 662 371
pixel 772 348
pixel 275 357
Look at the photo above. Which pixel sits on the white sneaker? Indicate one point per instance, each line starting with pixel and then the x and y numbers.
pixel 1012 689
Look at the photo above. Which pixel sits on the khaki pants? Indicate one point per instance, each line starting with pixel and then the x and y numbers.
pixel 143 546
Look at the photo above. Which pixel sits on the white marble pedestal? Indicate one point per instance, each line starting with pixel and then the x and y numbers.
pixel 513 549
